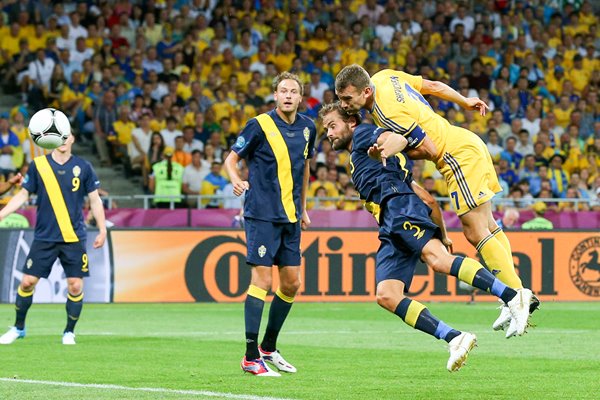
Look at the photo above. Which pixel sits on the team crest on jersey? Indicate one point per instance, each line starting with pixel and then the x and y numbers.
pixel 240 142
pixel 29 263
pixel 306 133
pixel 262 250
pixel 76 171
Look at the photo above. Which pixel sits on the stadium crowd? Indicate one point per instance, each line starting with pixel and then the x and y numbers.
pixel 164 87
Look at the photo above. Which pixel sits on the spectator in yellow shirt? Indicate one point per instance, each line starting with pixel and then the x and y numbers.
pixel 578 75
pixel 322 182
pixel 563 111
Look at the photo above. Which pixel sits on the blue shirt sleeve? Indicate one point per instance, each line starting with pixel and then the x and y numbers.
pixel 311 142
pixel 376 133
pixel 91 182
pixel 414 137
pixel 249 139
pixel 30 182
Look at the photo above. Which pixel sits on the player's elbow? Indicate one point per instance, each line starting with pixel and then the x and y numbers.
pixel 431 87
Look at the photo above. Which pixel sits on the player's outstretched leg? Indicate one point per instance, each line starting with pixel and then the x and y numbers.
pixel 517 301
pixel 470 271
pixel 253 308
pixel 418 316
pixel 503 321
pixel 74 306
pixel 23 302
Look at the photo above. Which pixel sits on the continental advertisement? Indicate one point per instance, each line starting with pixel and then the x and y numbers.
pixel 209 266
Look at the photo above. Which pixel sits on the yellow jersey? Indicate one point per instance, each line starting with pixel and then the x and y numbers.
pixel 400 107
pixel 461 156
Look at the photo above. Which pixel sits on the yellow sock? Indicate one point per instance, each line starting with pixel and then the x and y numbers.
pixel 499 261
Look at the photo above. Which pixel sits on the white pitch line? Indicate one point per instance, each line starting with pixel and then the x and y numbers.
pixel 142 389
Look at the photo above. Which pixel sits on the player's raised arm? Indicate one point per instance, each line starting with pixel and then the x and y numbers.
pixel 443 91
pixel 97 210
pixel 388 143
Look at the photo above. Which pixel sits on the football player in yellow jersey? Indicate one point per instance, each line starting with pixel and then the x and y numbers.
pixel 395 100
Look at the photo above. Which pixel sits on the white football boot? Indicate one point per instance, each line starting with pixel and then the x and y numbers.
pixel 68 338
pixel 12 335
pixel 502 322
pixel 275 359
pixel 519 310
pixel 459 349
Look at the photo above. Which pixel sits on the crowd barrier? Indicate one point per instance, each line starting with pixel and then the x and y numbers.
pixel 332 219
pixel 337 265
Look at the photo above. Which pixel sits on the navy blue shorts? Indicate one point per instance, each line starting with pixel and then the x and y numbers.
pixel 272 243
pixel 42 255
pixel 405 229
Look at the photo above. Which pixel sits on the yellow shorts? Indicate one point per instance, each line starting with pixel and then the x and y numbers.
pixel 469 171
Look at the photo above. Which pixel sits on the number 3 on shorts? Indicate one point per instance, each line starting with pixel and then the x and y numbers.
pixel 84 262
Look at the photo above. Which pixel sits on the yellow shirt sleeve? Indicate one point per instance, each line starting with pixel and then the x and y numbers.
pixel 415 81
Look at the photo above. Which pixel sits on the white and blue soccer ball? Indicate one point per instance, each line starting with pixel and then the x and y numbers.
pixel 49 128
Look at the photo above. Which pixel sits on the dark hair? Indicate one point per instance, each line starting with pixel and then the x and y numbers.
pixel 335 107
pixel 354 75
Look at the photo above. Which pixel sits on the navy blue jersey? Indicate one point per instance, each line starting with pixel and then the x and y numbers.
pixel 276 153
pixel 61 190
pixel 374 182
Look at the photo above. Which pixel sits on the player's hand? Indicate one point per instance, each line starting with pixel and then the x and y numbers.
pixel 239 187
pixel 447 242
pixel 377 153
pixel 16 180
pixel 475 103
pixel 100 239
pixel 305 223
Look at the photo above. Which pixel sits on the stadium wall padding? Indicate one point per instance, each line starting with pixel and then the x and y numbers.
pixel 209 266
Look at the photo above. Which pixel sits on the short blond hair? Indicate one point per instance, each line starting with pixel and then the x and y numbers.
pixel 287 75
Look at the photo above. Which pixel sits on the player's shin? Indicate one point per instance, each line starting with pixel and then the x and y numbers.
pixel 280 308
pixel 73 306
pixel 418 316
pixel 253 308
pixel 513 277
pixel 498 261
pixel 22 304
pixel 473 273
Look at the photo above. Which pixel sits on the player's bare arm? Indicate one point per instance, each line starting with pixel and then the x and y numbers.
pixel 436 212
pixel 6 186
pixel 239 186
pixel 14 204
pixel 388 143
pixel 443 91
pixel 97 210
pixel 305 223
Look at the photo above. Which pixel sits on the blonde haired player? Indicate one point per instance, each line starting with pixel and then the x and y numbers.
pixel 395 100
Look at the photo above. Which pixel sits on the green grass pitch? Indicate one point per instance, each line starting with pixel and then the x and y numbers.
pixel 342 351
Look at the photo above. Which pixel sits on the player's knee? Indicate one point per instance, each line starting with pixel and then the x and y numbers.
pixel 263 282
pixel 290 287
pixel 387 300
pixel 27 285
pixel 75 287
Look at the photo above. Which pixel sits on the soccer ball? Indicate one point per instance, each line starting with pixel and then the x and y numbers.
pixel 49 128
